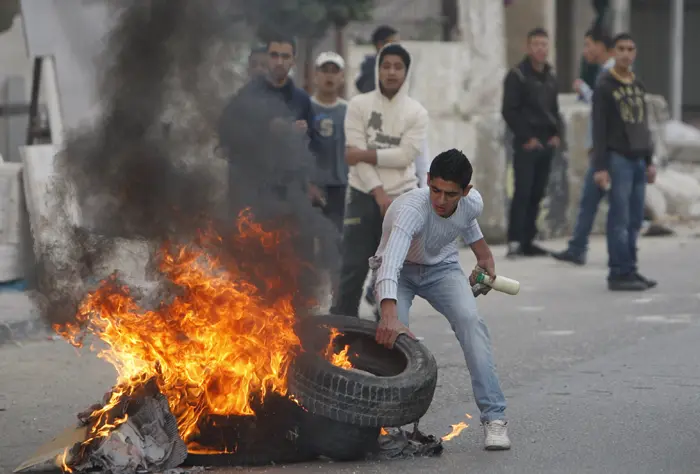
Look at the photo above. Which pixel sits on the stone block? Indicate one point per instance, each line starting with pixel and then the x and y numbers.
pixel 655 202
pixel 446 133
pixel 576 117
pixel 482 31
pixel 659 116
pixel 490 174
pixel 682 142
pixel 10 189
pixel 52 233
pixel 446 65
pixel 682 193
pixel 11 264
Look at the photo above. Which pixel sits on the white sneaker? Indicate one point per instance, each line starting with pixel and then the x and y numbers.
pixel 496 434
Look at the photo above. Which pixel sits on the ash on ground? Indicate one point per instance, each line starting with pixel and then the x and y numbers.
pixel 397 443
pixel 147 442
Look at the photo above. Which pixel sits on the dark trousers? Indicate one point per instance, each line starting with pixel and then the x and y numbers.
pixel 335 205
pixel 531 169
pixel 626 213
pixel 362 231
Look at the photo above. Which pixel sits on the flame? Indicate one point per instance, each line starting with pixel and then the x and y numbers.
pixel 61 461
pixel 341 359
pixel 457 429
pixel 383 432
pixel 221 342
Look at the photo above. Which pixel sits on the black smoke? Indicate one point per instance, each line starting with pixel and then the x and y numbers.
pixel 153 171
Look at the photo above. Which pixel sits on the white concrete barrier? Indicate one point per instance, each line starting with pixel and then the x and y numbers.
pixel 10 234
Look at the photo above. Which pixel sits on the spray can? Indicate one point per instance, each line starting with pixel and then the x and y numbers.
pixel 501 283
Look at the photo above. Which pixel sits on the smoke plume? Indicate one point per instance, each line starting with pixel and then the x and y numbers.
pixel 162 164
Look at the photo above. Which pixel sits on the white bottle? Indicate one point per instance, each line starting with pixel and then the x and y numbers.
pixel 501 283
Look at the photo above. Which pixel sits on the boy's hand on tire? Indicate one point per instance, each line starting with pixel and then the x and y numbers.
pixel 389 325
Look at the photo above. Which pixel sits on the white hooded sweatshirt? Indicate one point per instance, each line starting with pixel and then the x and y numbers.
pixel 397 128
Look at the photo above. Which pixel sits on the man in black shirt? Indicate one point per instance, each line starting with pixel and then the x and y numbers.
pixel 531 110
pixel 622 152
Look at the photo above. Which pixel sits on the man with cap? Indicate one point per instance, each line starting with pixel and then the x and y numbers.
pixel 384 130
pixel 328 124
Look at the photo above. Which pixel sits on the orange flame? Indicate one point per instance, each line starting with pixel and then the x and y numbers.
pixel 456 429
pixel 221 342
pixel 61 461
pixel 341 359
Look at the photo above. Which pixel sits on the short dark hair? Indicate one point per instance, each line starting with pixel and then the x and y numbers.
pixel 382 33
pixel 396 50
pixel 282 39
pixel 452 165
pixel 599 36
pixel 537 32
pixel 622 37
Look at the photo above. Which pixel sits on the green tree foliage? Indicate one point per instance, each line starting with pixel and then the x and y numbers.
pixel 306 18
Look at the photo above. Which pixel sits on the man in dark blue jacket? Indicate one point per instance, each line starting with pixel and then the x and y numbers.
pixel 266 118
pixel 276 83
pixel 272 105
pixel 382 36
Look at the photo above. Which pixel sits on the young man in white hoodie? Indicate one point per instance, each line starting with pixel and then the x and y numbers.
pixel 385 131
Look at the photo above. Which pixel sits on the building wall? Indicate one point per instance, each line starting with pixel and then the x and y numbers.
pixel 650 24
pixel 524 15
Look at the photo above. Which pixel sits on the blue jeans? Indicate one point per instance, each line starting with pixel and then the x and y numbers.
pixel 628 183
pixel 591 195
pixel 447 289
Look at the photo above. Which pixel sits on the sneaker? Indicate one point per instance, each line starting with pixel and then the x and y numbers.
pixel 647 281
pixel 496 435
pixel 533 250
pixel 570 257
pixel 514 250
pixel 627 283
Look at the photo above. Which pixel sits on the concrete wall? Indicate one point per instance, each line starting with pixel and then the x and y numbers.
pixel 458 121
pixel 14 60
pixel 15 84
pixel 522 16
pixel 72 31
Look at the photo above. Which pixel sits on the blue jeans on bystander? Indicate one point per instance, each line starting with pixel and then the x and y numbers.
pixel 591 195
pixel 626 214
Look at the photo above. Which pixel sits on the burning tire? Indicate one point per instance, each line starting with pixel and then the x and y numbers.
pixel 272 436
pixel 335 440
pixel 386 387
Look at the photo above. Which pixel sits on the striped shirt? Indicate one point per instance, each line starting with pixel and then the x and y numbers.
pixel 412 232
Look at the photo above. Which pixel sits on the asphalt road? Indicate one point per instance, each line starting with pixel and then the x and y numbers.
pixel 596 381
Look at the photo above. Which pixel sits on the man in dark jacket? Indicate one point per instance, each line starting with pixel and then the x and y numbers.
pixel 382 36
pixel 276 112
pixel 622 152
pixel 531 110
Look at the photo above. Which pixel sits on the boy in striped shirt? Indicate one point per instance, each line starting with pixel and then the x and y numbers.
pixel 418 256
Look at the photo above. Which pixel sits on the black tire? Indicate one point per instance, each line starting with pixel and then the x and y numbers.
pixel 269 437
pixel 337 441
pixel 397 390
